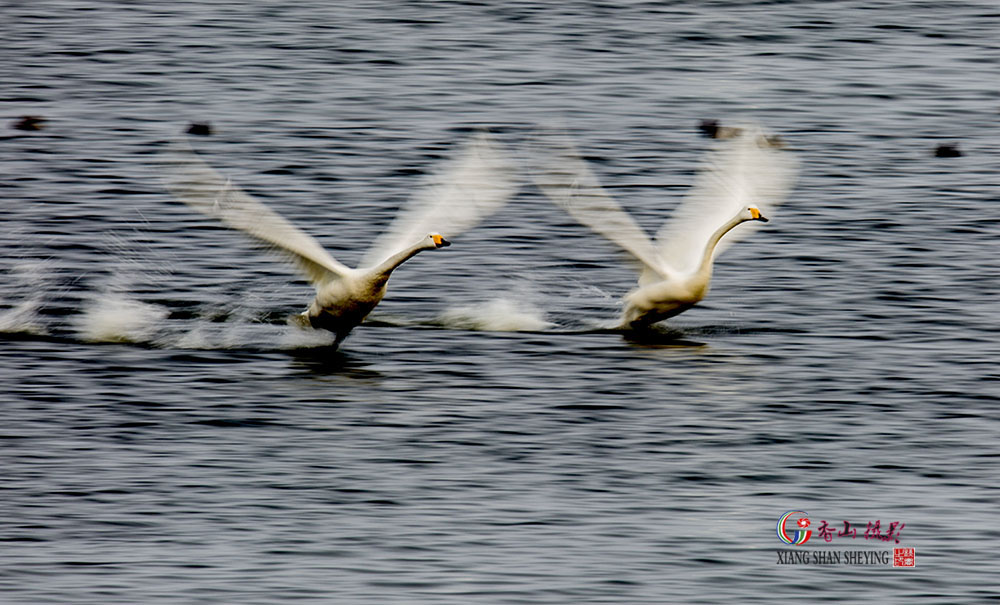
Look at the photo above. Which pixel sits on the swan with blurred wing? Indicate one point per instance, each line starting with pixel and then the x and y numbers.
pixel 746 174
pixel 472 186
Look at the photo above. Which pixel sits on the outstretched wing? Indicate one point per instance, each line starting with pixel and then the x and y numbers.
pixel 470 187
pixel 199 186
pixel 749 169
pixel 571 185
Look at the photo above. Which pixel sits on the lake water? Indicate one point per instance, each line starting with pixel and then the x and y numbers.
pixel 166 438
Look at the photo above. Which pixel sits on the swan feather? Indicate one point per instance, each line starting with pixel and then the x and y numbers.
pixel 571 185
pixel 199 186
pixel 743 171
pixel 477 182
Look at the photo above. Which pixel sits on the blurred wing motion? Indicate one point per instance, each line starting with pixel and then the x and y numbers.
pixel 749 169
pixel 470 187
pixel 572 186
pixel 199 186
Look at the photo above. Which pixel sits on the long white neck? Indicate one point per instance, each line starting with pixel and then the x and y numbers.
pixel 704 272
pixel 386 267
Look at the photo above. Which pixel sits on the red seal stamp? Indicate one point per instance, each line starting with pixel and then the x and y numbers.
pixel 904 557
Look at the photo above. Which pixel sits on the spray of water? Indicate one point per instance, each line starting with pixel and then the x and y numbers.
pixel 498 315
pixel 25 287
pixel 22 318
pixel 114 317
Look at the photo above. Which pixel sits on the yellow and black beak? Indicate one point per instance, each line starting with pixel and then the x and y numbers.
pixel 757 216
pixel 439 241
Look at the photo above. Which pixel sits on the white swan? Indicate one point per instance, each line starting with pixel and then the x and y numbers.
pixel 472 186
pixel 747 172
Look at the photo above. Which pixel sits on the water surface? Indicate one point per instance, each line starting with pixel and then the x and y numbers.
pixel 844 363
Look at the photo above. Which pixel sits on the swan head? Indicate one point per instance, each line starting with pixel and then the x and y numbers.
pixel 439 242
pixel 752 213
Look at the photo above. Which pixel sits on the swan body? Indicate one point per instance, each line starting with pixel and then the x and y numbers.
pixel 673 295
pixel 676 271
pixel 341 304
pixel 474 185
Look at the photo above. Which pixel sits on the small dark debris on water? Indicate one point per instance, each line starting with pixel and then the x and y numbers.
pixel 708 128
pixel 948 150
pixel 773 141
pixel 712 130
pixel 29 123
pixel 202 129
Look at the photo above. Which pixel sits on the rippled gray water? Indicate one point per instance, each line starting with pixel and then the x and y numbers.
pixel 845 363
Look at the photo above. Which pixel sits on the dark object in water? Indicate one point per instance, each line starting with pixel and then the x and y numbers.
pixel 947 150
pixel 202 129
pixel 29 123
pixel 712 130
pixel 708 128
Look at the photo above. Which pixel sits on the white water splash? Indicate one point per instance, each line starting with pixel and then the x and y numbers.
pixel 22 319
pixel 25 290
pixel 117 318
pixel 296 337
pixel 241 332
pixel 499 315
